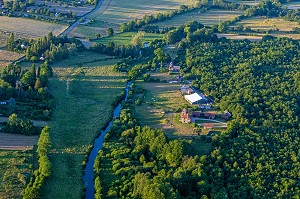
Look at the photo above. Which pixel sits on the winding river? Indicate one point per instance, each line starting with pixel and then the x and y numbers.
pixel 88 177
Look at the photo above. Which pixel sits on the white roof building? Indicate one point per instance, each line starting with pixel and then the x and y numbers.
pixel 194 98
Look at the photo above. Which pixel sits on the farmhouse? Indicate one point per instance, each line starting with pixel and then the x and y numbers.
pixel 173 68
pixel 208 126
pixel 186 90
pixel 196 114
pixel 210 115
pixel 195 98
pixel 184 117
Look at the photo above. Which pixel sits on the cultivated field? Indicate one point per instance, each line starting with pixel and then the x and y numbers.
pixel 114 12
pixel 208 18
pixel 6 57
pixel 17 142
pixel 293 5
pixel 239 37
pixel 125 38
pixel 29 27
pixel 80 112
pixel 275 26
pixel 245 2
pixel 16 168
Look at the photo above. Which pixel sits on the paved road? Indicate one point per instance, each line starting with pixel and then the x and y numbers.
pixel 68 30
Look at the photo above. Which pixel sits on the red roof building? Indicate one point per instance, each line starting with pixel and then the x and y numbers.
pixel 210 115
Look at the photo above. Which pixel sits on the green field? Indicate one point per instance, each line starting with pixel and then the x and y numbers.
pixel 78 116
pixel 16 168
pixel 125 38
pixel 114 12
pixel 208 18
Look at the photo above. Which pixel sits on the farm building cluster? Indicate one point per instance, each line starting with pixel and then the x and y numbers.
pixel 209 118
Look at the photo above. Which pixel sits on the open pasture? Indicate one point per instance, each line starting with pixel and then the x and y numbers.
pixel 6 57
pixel 16 167
pixel 29 27
pixel 276 26
pixel 245 2
pixel 125 38
pixel 112 13
pixel 208 18
pixel 82 109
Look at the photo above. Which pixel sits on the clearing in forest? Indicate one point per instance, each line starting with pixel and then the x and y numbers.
pixel 208 18
pixel 160 108
pixel 84 88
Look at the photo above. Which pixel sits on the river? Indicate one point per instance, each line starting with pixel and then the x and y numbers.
pixel 88 177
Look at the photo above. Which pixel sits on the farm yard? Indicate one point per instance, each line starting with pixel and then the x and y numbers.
pixel 29 27
pixel 112 13
pixel 80 112
pixel 16 167
pixel 208 18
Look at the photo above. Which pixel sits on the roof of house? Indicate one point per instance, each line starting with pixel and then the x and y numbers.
pixel 195 97
pixel 209 114
pixel 208 125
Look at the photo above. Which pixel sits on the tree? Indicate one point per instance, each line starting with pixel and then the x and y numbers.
pixel 138 39
pixel 110 31
pixel 10 42
pixel 98 35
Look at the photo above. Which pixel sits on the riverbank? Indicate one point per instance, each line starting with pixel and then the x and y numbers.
pixel 79 114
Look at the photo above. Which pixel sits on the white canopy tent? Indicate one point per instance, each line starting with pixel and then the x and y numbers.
pixel 194 98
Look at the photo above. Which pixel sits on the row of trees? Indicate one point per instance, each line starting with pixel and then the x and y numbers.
pixel 35 186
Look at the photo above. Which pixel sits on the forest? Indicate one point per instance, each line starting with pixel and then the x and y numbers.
pixel 256 157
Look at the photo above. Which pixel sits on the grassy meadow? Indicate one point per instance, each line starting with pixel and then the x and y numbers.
pixel 114 12
pixel 6 57
pixel 208 18
pixel 16 168
pixel 276 26
pixel 29 27
pixel 78 116
pixel 125 38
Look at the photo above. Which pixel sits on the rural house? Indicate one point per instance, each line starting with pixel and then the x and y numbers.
pixel 208 126
pixel 184 117
pixel 196 114
pixel 186 90
pixel 173 68
pixel 210 115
